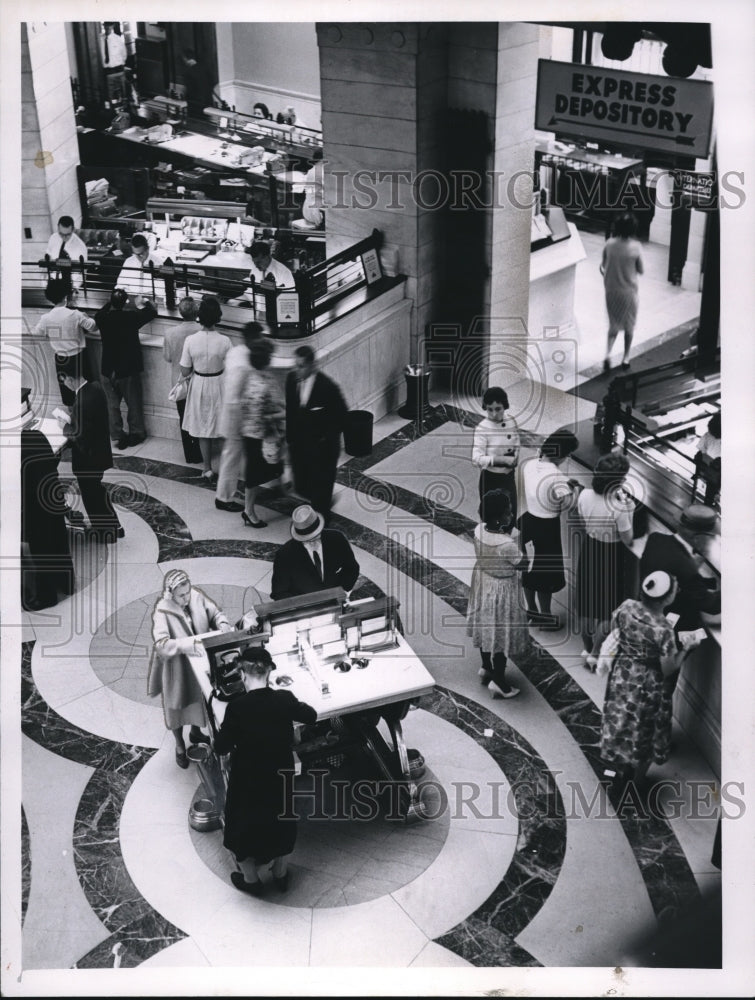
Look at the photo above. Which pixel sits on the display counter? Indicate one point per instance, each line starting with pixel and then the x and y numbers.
pixel 347 661
pixel 552 278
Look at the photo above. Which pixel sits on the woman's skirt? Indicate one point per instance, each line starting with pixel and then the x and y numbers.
pixel 545 573
pixel 496 616
pixel 258 471
pixel 600 578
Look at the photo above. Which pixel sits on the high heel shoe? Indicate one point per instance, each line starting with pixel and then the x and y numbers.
pixel 485 676
pixel 209 476
pixel 251 888
pixel 498 692
pixel 252 524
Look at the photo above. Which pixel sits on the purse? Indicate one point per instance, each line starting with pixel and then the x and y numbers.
pixel 179 390
pixel 272 448
pixel 608 650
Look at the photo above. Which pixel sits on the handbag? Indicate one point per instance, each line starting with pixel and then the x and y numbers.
pixel 272 448
pixel 640 521
pixel 608 650
pixel 179 390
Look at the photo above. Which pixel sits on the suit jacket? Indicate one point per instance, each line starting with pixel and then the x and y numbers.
pixel 294 572
pixel 89 431
pixel 665 552
pixel 119 330
pixel 318 424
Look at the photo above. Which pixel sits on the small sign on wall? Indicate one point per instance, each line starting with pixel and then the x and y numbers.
pixel 371 263
pixel 287 308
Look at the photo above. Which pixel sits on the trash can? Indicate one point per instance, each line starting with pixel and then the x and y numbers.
pixel 357 433
pixel 416 407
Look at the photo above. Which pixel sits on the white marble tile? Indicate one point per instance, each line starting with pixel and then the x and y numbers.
pixel 461 878
pixel 184 954
pixel 435 956
pixel 248 932
pixel 377 933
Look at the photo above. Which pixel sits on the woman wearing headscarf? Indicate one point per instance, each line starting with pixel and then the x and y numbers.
pixel 182 613
pixel 257 730
pixel 636 727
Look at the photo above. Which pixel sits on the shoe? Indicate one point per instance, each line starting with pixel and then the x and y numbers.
pixel 498 692
pixel 606 365
pixel 181 759
pixel 231 505
pixel 485 676
pixel 122 442
pixel 624 365
pixel 551 623
pixel 74 517
pixel 251 888
pixel 281 882
pixel 198 737
pixel 209 476
pixel 591 661
pixel 252 524
pixel 136 438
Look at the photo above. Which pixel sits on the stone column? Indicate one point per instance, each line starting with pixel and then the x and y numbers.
pixel 49 143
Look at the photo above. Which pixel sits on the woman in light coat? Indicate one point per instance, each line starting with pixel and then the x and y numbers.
pixel 182 613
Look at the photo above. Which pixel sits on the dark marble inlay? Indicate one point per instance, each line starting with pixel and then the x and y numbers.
pixel 541 843
pixel 484 946
pixel 25 865
pixel 43 725
pixel 132 922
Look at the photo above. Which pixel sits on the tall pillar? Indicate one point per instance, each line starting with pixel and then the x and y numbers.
pixel 49 144
pixel 383 89
pixel 514 160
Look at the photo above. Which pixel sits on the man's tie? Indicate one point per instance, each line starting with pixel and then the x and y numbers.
pixel 318 563
pixel 63 255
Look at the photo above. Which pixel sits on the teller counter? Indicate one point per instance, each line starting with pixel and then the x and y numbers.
pixel 364 346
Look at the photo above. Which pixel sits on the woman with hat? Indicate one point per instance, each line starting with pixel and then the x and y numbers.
pixel 257 730
pixel 636 725
pixel 182 613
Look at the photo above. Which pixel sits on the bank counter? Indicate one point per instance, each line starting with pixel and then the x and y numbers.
pixel 349 662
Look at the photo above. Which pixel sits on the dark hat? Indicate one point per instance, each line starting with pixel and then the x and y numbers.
pixel 306 523
pixel 698 517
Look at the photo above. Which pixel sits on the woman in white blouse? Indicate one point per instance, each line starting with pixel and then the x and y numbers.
pixel 495 447
pixel 546 493
pixel 606 511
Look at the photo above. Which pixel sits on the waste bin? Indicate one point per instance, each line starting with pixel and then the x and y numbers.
pixel 416 407
pixel 357 433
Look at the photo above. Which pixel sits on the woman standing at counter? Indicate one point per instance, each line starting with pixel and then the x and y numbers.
pixel 204 354
pixel 260 824
pixel 182 613
pixel 495 447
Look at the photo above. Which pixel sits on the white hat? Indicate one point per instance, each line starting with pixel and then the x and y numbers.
pixel 306 523
pixel 657 585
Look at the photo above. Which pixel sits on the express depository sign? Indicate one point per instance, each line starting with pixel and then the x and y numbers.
pixel 631 109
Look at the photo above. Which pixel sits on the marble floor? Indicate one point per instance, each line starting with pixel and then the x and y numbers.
pixel 529 864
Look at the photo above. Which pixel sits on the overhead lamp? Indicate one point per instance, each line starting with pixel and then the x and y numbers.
pixel 618 43
pixel 679 61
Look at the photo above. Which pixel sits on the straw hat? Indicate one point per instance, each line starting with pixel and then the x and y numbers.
pixel 306 523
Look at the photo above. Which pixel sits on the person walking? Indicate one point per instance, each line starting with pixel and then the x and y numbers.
pixel 182 613
pixel 263 413
pixel 257 730
pixel 173 344
pixel 203 357
pixel 496 617
pixel 620 266
pixel 315 417
pixel 91 455
pixel 233 387
pixel 122 364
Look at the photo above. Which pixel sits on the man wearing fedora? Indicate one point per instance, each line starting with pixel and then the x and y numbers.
pixel 316 558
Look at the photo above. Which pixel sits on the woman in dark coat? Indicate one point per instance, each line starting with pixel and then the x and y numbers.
pixel 258 732
pixel 43 525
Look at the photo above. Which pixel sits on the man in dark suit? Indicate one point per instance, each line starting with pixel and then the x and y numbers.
pixel 122 364
pixel 316 558
pixel 315 416
pixel 675 555
pixel 87 433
